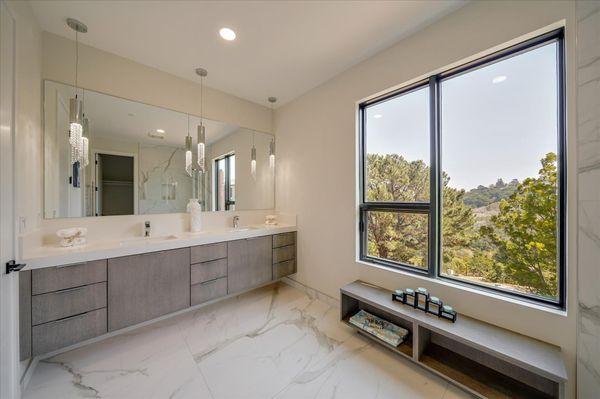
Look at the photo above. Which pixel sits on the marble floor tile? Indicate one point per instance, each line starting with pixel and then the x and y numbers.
pixel 274 342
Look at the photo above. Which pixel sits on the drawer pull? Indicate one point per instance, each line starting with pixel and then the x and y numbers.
pixel 76 316
pixel 154 253
pixel 71 289
pixel 71 264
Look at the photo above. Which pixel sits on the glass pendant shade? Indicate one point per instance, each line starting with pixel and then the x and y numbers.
pixel 272 154
pixel 85 152
pixel 188 155
pixel 75 128
pixel 253 162
pixel 201 147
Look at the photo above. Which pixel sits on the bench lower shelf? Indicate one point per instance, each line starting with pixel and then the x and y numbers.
pixel 457 351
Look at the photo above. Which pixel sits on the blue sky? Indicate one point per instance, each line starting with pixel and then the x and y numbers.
pixel 497 121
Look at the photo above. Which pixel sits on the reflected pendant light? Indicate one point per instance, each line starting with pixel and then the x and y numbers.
pixel 75 105
pixel 85 143
pixel 253 159
pixel 272 154
pixel 272 100
pixel 188 150
pixel 201 129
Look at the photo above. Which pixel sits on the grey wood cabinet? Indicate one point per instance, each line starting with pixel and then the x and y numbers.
pixel 64 332
pixel 63 305
pixel 284 255
pixel 67 276
pixel 249 263
pixel 146 286
pixel 25 314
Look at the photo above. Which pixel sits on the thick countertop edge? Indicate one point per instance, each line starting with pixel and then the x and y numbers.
pixel 50 256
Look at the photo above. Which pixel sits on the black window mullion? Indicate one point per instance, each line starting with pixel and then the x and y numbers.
pixel 435 177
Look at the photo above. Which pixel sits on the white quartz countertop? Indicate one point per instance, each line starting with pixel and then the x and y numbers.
pixel 48 256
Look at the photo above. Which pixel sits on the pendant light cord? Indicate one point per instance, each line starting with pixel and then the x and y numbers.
pixel 76 60
pixel 201 100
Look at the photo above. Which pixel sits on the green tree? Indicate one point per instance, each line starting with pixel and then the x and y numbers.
pixel 525 230
pixel 403 236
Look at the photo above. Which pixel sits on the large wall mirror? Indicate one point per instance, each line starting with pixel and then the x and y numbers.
pixel 135 160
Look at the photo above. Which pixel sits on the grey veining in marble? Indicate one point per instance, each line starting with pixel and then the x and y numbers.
pixel 588 147
pixel 274 342
pixel 164 186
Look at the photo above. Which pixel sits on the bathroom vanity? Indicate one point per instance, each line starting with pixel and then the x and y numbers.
pixel 63 302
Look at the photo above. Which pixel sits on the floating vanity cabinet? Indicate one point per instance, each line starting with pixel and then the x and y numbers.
pixel 208 272
pixel 63 305
pixel 249 263
pixel 143 287
pixel 25 314
pixel 67 305
pixel 284 255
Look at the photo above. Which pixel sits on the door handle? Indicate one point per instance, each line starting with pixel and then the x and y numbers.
pixel 12 266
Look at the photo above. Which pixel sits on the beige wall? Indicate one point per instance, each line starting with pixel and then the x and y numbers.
pixel 250 193
pixel 316 155
pixel 108 73
pixel 28 148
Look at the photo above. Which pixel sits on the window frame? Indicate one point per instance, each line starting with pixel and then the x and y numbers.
pixel 433 207
pixel 227 183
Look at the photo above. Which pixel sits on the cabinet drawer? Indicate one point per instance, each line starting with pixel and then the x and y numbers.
pixel 284 253
pixel 202 272
pixel 69 276
pixel 61 333
pixel 69 302
pixel 211 290
pixel 283 269
pixel 206 253
pixel 281 240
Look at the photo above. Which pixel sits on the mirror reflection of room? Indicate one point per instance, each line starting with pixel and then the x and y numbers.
pixel 134 160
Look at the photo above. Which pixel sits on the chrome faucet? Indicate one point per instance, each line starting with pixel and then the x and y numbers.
pixel 147 228
pixel 236 221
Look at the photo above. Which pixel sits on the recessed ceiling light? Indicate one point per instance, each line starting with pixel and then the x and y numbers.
pixel 499 79
pixel 377 116
pixel 227 34
pixel 161 131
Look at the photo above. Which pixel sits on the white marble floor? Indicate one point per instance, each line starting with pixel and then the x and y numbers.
pixel 275 342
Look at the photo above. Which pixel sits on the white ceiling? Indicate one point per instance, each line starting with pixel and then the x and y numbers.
pixel 282 49
pixel 129 120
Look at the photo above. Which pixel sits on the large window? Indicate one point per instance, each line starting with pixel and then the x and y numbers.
pixel 462 174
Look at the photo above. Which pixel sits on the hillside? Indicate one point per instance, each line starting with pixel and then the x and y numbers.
pixel 483 196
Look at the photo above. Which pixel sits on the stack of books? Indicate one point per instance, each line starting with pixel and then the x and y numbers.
pixel 382 329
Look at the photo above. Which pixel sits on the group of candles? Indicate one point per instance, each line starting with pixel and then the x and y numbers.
pixel 420 299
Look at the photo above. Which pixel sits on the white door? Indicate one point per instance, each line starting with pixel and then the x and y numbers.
pixel 9 341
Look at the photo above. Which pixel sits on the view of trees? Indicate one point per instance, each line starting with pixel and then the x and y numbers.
pixel 503 234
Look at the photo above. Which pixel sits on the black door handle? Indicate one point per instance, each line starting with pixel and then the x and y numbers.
pixel 12 266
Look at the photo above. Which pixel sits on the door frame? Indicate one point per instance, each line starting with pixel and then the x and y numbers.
pixel 9 283
pixel 133 155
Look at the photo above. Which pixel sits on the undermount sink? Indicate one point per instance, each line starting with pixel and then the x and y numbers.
pixel 147 240
pixel 245 228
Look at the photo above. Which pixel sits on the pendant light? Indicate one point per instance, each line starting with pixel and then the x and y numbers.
pixel 76 105
pixel 85 147
pixel 253 159
pixel 201 129
pixel 188 149
pixel 272 100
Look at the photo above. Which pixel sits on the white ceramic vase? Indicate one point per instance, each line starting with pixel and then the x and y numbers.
pixel 195 210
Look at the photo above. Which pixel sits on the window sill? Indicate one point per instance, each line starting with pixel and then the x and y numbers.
pixel 465 288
